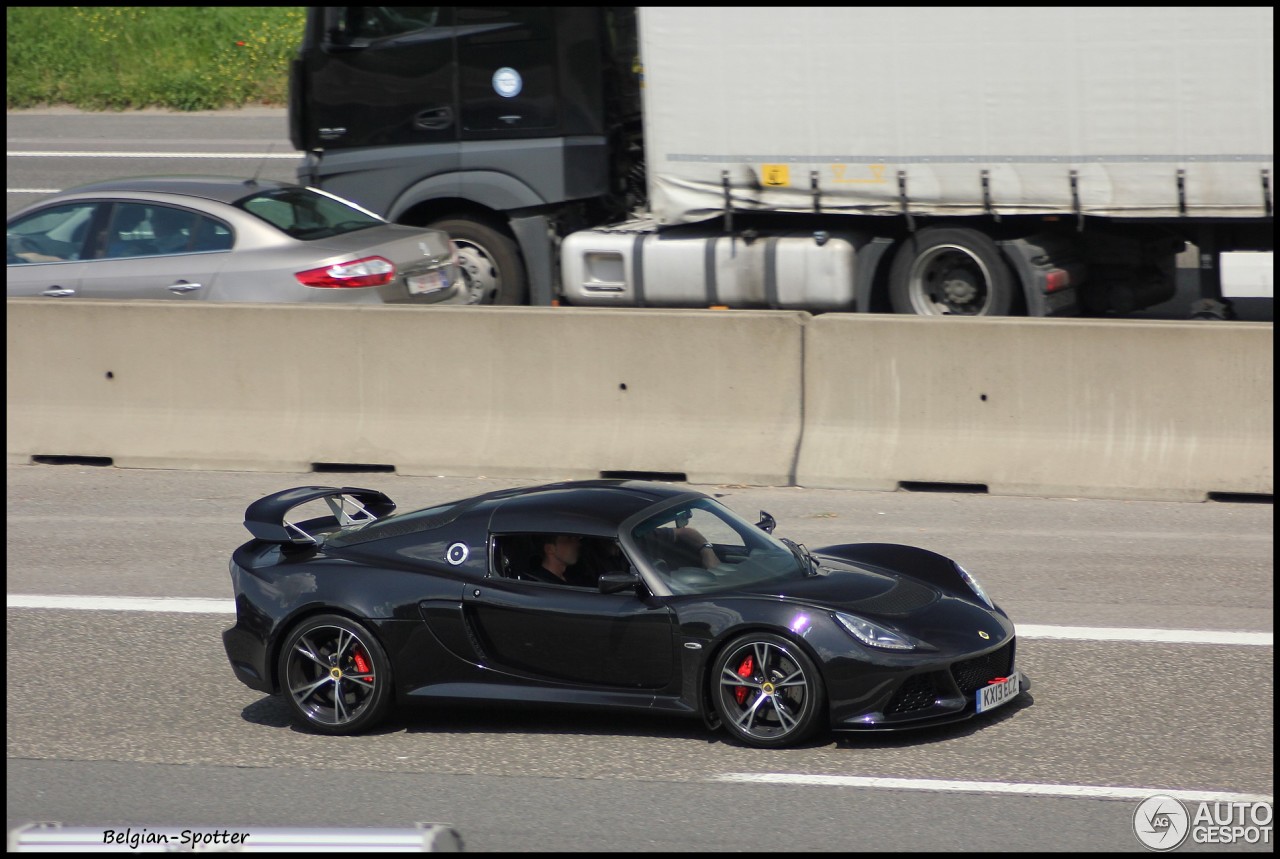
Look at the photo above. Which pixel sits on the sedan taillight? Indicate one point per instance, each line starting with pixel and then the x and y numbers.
pixel 370 271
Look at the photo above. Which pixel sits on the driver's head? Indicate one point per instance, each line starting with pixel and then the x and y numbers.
pixel 565 548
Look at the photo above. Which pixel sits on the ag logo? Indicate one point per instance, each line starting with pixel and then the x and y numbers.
pixel 457 553
pixel 1160 822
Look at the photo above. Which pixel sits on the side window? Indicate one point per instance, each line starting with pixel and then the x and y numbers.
pixel 211 235
pixel 381 22
pixel 56 234
pixel 129 232
pixel 521 556
pixel 176 231
pixel 515 555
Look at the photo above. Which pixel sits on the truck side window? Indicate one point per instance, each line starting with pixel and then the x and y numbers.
pixel 379 22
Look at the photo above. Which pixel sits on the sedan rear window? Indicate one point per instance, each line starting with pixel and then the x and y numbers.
pixel 307 214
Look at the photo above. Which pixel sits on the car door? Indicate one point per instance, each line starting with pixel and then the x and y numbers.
pixel 136 259
pixel 576 635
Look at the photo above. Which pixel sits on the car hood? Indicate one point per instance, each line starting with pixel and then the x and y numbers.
pixel 900 602
pixel 845 587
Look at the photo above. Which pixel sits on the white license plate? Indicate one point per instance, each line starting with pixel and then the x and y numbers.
pixel 992 696
pixel 432 281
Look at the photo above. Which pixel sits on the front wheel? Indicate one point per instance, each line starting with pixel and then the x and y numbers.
pixel 335 675
pixel 489 259
pixel 953 271
pixel 767 691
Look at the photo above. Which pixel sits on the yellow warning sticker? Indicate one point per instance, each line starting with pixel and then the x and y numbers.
pixel 775 175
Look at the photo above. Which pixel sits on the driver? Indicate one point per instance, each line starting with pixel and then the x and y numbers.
pixel 559 552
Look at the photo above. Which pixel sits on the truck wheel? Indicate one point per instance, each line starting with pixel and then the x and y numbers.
pixel 953 271
pixel 489 259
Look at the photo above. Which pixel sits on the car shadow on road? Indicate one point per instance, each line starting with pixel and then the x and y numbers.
pixel 455 717
pixel 935 734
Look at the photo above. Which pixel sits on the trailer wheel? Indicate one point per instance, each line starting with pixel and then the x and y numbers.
pixel 953 271
pixel 489 259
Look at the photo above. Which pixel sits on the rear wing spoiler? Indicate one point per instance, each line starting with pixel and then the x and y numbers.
pixel 267 518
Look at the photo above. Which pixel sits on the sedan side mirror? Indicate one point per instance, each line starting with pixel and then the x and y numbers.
pixel 766 522
pixel 612 583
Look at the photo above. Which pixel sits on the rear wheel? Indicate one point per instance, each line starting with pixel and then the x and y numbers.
pixel 953 271
pixel 767 691
pixel 335 675
pixel 489 259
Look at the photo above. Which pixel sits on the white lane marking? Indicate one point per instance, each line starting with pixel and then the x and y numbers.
pixel 198 605
pixel 183 605
pixel 1171 636
pixel 31 190
pixel 1085 791
pixel 290 154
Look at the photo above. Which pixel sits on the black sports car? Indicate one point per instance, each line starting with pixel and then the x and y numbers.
pixel 612 593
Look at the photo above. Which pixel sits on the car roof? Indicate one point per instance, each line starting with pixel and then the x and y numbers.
pixel 593 507
pixel 224 189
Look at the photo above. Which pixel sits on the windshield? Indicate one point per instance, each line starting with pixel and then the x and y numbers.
pixel 307 214
pixel 703 547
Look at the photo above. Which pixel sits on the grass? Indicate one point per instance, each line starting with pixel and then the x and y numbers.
pixel 130 57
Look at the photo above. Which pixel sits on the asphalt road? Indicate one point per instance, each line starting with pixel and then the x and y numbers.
pixel 120 717
pixel 48 150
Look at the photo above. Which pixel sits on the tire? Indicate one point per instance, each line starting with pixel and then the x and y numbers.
pixel 953 271
pixel 335 675
pixel 767 691
pixel 490 261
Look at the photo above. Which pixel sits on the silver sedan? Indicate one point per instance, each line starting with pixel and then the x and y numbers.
pixel 224 239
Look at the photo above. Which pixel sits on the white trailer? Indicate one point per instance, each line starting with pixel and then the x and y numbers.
pixel 971 161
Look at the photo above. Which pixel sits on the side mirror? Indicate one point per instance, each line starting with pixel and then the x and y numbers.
pixel 612 583
pixel 766 523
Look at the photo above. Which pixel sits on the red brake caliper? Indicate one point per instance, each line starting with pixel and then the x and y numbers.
pixel 362 665
pixel 744 670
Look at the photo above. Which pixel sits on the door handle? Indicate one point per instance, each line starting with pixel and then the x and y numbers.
pixel 182 286
pixel 434 119
pixel 58 292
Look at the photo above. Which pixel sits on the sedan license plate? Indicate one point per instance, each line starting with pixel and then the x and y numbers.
pixel 432 281
pixel 1000 692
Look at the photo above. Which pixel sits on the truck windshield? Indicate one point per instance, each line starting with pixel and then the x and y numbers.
pixel 305 214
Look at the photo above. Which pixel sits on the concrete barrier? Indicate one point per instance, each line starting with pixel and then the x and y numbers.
pixel 530 392
pixel 1100 409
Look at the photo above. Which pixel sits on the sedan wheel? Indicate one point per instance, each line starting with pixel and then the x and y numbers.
pixel 766 691
pixel 335 675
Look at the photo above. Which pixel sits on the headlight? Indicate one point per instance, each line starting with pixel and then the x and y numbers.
pixel 873 635
pixel 974 586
